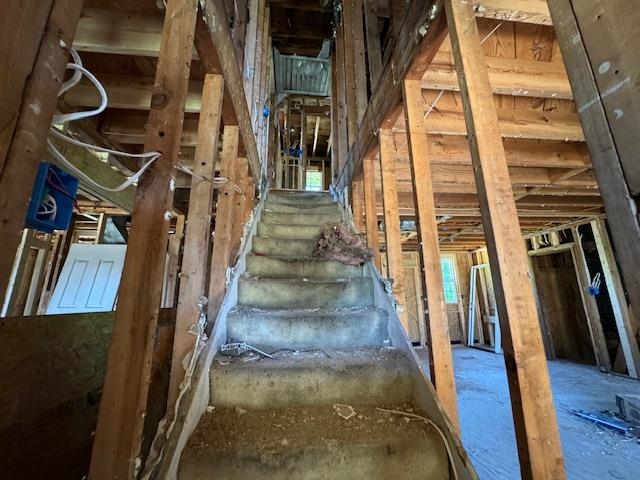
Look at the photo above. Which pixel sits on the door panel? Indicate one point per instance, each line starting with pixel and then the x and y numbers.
pixel 89 280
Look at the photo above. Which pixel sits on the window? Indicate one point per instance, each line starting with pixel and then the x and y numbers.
pixel 314 180
pixel 448 265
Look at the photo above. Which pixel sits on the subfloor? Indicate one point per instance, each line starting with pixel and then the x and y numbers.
pixel 590 451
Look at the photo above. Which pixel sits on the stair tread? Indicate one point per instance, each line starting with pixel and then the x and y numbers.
pixel 311 359
pixel 294 312
pixel 294 440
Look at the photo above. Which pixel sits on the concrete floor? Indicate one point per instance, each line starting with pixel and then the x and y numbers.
pixel 590 451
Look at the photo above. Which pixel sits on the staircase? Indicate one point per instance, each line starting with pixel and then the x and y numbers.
pixel 284 417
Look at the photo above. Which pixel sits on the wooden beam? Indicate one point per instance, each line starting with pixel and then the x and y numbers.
pixel 254 93
pixel 23 136
pixel 440 357
pixel 617 195
pixel 219 41
pixel 124 399
pixel 119 32
pixel 617 298
pixel 532 403
pixel 525 11
pixel 370 210
pixel 224 222
pixel 393 238
pixel 193 276
pixel 508 76
pixel 374 52
pixel 529 124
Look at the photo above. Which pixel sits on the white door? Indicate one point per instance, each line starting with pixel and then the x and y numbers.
pixel 89 279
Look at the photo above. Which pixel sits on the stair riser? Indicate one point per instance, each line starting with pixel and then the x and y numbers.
pixel 406 459
pixel 368 384
pixel 292 248
pixel 289 231
pixel 301 199
pixel 315 269
pixel 287 208
pixel 273 294
pixel 315 219
pixel 343 330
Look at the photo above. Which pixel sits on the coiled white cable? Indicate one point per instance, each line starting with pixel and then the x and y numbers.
pixel 70 117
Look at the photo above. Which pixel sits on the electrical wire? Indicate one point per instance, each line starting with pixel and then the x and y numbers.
pixel 79 72
pixel 437 429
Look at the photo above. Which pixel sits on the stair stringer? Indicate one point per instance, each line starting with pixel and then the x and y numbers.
pixel 168 445
pixel 424 394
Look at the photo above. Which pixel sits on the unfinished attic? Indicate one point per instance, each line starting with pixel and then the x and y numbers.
pixel 319 239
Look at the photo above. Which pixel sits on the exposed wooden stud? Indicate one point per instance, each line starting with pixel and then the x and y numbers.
pixel 374 53
pixel 535 421
pixel 348 12
pixel 360 67
pixel 340 139
pixel 618 300
pixel 302 183
pixel 440 356
pixel 357 203
pixel 224 221
pixel 250 44
pixel 370 210
pixel 172 265
pixel 393 238
pixel 102 224
pixel 193 275
pixel 594 322
pixel 316 131
pixel 23 145
pixel 124 399
pixel 240 207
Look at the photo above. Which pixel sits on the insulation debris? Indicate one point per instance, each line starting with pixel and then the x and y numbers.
pixel 338 243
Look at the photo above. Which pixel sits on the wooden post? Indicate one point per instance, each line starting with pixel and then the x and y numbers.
pixel 124 399
pixel 257 65
pixel 357 202
pixel 348 46
pixel 302 184
pixel 393 238
pixel 240 211
pixel 30 78
pixel 102 224
pixel 616 296
pixel 531 400
pixel 440 357
pixel 172 265
pixel 374 52
pixel 340 139
pixel 370 207
pixel 360 67
pixel 594 323
pixel 193 277
pixel 224 220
